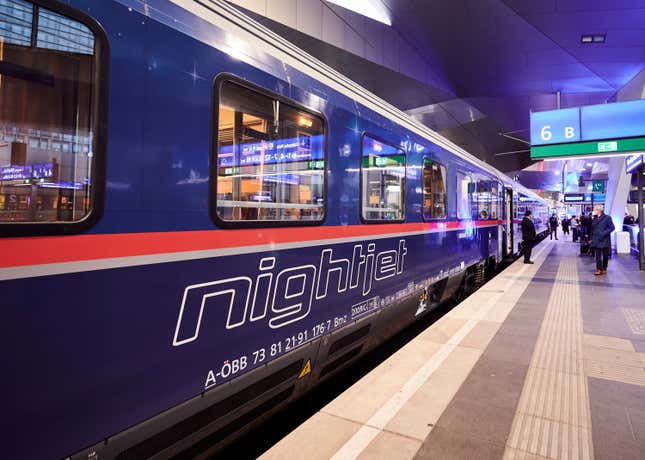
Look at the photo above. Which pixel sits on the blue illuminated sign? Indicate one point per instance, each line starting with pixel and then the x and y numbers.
pixel 555 126
pixel 35 171
pixel 619 120
pixel 613 121
pixel 633 162
pixel 584 197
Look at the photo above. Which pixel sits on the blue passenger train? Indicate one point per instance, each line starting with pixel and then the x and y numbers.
pixel 199 222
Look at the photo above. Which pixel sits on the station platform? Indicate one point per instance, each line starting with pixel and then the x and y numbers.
pixel 543 361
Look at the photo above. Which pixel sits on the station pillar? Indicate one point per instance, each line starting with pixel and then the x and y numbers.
pixel 618 185
pixel 641 218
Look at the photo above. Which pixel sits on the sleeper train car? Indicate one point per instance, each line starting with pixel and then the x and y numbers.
pixel 199 222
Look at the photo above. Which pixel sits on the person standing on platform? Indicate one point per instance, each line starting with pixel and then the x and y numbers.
pixel 565 225
pixel 601 229
pixel 553 226
pixel 574 228
pixel 528 236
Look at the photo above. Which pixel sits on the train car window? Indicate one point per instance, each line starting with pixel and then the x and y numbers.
pixel 270 160
pixel 434 190
pixel 48 116
pixel 465 187
pixel 383 181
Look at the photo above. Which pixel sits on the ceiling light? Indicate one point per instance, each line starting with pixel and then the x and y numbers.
pixel 589 165
pixel 373 9
pixel 593 38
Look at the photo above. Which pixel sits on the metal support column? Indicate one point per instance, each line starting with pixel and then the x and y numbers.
pixel 641 218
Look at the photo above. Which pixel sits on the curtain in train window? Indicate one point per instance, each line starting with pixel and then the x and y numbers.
pixel 47 65
pixel 383 176
pixel 434 190
pixel 270 159
pixel 464 187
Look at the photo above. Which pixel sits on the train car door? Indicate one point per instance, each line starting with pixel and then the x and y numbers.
pixel 500 220
pixel 508 214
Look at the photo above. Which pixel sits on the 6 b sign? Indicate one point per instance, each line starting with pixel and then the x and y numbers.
pixel 555 127
pixel 546 134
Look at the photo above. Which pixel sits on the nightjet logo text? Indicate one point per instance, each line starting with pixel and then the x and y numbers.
pixel 286 296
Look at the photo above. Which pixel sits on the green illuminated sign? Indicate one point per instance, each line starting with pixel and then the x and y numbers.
pixel 608 146
pixel 317 164
pixel 598 186
pixel 588 148
pixel 379 162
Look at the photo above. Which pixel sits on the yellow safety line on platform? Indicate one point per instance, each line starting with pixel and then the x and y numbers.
pixel 375 425
pixel 553 418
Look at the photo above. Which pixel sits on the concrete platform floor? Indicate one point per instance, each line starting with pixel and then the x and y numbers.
pixel 544 361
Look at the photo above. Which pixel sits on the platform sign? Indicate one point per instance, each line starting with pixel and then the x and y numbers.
pixel 604 129
pixel 584 198
pixel 574 198
pixel 633 162
pixel 612 121
pixel 598 186
pixel 555 126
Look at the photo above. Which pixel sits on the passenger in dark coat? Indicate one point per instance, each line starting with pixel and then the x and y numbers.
pixel 601 229
pixel 553 226
pixel 528 236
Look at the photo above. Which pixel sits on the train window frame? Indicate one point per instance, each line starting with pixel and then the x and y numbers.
pixel 445 190
pixel 98 126
pixel 360 182
pixel 219 80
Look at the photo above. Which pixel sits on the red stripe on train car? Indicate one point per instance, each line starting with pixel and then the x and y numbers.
pixel 73 248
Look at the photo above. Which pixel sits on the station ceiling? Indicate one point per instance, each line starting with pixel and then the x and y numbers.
pixel 508 57
pixel 501 59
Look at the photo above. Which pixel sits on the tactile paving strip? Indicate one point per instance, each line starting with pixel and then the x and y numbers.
pixel 635 320
pixel 553 418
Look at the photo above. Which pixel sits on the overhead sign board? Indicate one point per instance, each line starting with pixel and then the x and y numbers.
pixel 574 198
pixel 633 162
pixel 584 198
pixel 589 130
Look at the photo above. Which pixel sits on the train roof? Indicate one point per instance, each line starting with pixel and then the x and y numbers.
pixel 232 20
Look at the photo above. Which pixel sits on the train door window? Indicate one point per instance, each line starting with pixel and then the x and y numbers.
pixel 483 199
pixel 464 191
pixel 434 190
pixel 270 160
pixel 383 181
pixel 494 210
pixel 49 69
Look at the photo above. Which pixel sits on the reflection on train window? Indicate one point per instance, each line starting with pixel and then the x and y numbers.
pixel 464 191
pixel 434 190
pixel 383 176
pixel 47 65
pixel 270 159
